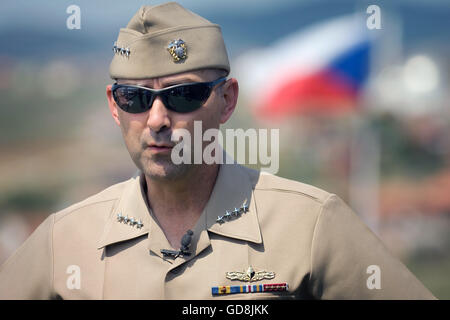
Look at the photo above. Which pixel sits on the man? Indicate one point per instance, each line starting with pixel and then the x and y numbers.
pixel 203 231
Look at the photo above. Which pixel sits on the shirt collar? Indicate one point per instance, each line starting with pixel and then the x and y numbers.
pixel 132 204
pixel 232 190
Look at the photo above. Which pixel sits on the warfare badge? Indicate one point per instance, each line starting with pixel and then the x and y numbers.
pixel 250 275
pixel 178 50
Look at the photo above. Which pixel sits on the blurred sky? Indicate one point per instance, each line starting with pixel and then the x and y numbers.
pixel 37 29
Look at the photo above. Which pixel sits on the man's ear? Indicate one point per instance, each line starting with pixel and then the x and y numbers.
pixel 230 93
pixel 112 105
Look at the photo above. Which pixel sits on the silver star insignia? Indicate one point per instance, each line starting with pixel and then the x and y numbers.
pixel 227 214
pixel 139 224
pixel 236 212
pixel 220 219
pixel 245 208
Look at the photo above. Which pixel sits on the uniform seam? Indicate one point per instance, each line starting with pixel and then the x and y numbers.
pixel 313 238
pixel 103 254
pixel 52 255
pixel 65 214
pixel 293 192
pixel 104 272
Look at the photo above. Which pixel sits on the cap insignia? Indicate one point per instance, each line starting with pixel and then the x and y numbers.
pixel 178 50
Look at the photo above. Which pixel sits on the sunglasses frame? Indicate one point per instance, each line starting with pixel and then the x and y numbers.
pixel 160 92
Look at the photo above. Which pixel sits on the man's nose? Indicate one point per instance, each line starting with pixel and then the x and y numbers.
pixel 158 117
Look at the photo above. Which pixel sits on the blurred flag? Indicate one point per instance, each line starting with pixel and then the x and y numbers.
pixel 321 69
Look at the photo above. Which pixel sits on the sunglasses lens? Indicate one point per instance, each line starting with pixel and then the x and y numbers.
pixel 132 100
pixel 182 98
pixel 187 98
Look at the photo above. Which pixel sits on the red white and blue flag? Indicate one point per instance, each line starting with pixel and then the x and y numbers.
pixel 321 69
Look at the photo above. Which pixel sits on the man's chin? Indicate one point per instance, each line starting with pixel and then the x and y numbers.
pixel 164 170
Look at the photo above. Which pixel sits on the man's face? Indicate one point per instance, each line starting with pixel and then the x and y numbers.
pixel 148 135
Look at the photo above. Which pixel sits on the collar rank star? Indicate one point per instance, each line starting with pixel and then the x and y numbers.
pixel 250 275
pixel 178 50
pixel 229 214
pixel 130 221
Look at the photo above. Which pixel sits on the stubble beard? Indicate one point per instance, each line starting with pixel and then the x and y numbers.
pixel 160 167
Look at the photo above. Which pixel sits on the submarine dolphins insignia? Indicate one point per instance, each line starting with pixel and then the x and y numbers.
pixel 250 275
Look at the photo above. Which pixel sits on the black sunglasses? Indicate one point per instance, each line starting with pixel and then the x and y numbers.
pixel 182 98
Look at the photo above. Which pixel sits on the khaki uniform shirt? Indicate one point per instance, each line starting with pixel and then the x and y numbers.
pixel 307 237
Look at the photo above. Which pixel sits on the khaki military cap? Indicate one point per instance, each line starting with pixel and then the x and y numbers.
pixel 167 39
